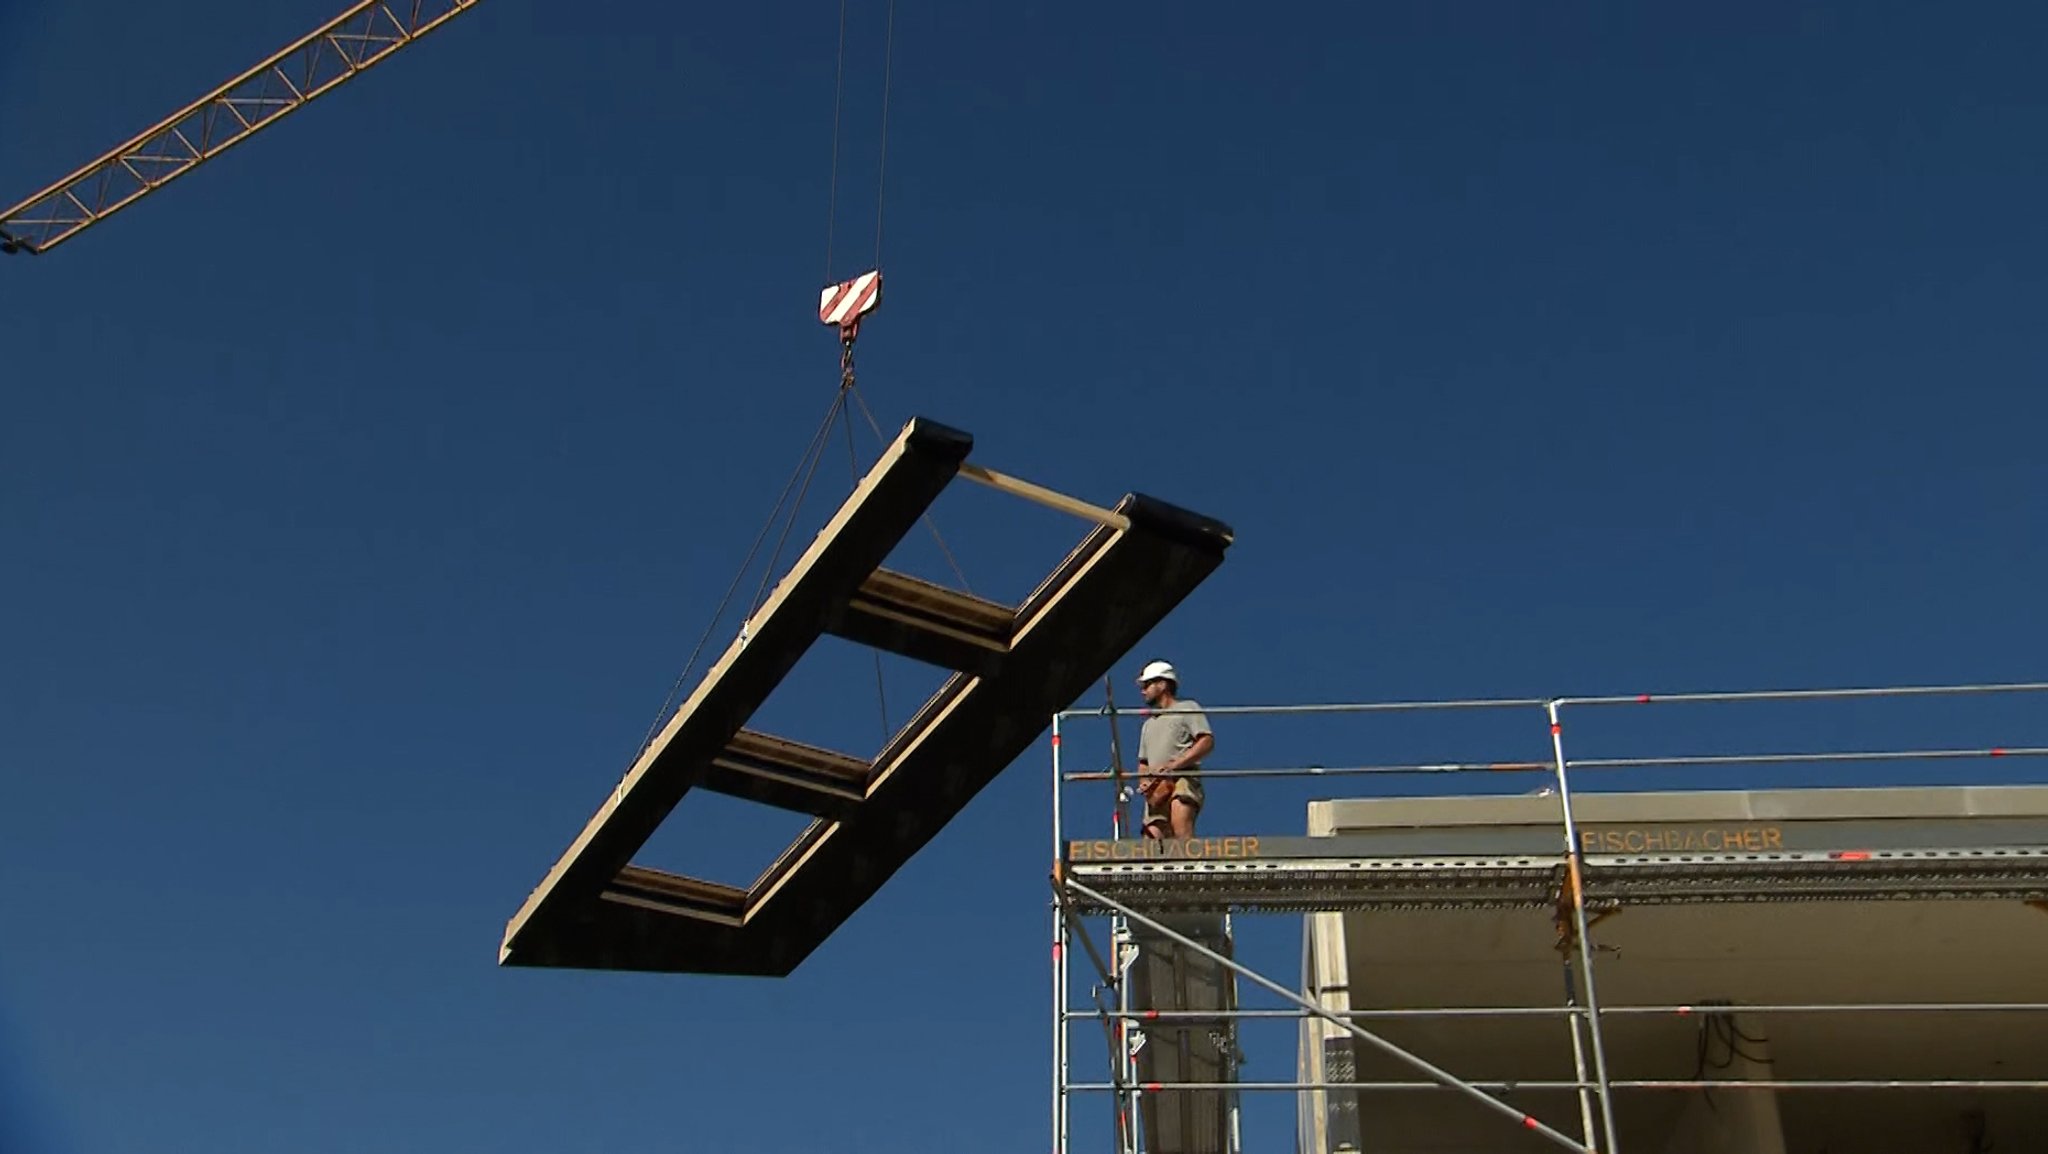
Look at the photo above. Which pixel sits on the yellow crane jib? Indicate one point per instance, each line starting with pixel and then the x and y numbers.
pixel 307 68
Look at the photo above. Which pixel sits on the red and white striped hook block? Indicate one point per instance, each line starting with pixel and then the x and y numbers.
pixel 845 303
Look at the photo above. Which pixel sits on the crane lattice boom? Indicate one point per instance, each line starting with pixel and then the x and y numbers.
pixel 365 34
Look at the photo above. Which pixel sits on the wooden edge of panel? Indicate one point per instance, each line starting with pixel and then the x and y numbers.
pixel 930 444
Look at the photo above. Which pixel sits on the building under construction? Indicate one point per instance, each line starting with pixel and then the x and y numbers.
pixel 1692 970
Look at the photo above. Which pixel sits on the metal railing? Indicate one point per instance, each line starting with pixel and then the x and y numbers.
pixel 1594 1082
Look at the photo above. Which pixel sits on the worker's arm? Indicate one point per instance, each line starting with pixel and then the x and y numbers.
pixel 1149 782
pixel 1194 753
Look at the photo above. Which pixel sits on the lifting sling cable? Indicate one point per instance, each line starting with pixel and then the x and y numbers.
pixel 832 413
pixel 806 466
pixel 874 425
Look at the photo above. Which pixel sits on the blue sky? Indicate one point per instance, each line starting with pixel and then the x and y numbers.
pixel 364 492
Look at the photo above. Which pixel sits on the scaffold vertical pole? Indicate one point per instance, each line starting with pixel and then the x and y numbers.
pixel 1575 881
pixel 1116 761
pixel 1059 968
pixel 1122 952
pixel 1573 1020
pixel 1233 1035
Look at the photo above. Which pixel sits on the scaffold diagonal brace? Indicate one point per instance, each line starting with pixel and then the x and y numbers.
pixel 1073 919
pixel 1442 1076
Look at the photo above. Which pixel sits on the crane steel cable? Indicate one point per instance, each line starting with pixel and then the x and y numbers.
pixel 882 159
pixel 882 165
pixel 838 100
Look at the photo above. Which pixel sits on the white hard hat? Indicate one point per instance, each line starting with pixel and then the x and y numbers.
pixel 1157 670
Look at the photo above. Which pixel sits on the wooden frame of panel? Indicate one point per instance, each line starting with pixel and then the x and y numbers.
pixel 1013 668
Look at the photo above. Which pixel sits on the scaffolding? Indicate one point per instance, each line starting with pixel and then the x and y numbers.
pixel 1165 992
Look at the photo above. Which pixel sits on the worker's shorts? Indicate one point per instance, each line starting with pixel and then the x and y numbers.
pixel 1187 789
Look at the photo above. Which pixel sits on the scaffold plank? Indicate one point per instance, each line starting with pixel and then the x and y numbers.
pixel 1013 670
pixel 1361 883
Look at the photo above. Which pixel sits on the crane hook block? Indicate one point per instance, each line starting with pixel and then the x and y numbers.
pixel 845 303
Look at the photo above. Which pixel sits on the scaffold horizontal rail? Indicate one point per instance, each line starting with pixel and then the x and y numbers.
pixel 1383 1013
pixel 1012 668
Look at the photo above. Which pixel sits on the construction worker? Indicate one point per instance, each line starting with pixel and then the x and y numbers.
pixel 1171 746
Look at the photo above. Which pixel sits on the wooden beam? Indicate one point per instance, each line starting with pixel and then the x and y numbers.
pixel 788 775
pixel 925 622
pixel 1039 494
pixel 675 894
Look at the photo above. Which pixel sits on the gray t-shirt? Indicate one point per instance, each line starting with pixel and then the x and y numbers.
pixel 1169 732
